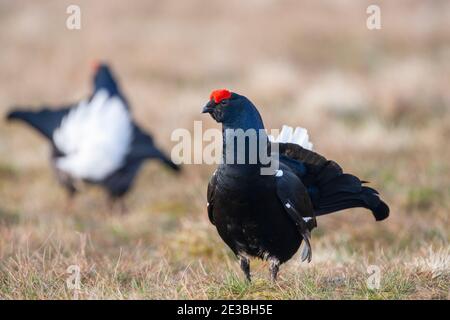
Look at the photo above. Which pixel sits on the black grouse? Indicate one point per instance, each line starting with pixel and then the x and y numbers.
pixel 265 209
pixel 94 141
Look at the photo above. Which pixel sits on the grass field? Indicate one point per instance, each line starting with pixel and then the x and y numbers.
pixel 377 102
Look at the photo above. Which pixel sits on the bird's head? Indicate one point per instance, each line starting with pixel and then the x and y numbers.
pixel 103 78
pixel 233 110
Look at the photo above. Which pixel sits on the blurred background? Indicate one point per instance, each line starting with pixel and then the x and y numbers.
pixel 375 101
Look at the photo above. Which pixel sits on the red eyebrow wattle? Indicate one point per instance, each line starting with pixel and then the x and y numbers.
pixel 219 95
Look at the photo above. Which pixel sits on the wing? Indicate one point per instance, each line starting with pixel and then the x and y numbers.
pixel 121 180
pixel 45 121
pixel 296 202
pixel 143 147
pixel 210 197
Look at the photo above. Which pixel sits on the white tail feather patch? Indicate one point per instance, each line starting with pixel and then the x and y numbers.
pixel 95 137
pixel 298 136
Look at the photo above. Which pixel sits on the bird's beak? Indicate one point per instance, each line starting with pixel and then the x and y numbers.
pixel 209 108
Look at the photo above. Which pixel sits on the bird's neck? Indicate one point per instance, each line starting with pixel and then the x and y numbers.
pixel 245 143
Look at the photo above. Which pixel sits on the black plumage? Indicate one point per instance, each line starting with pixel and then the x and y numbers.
pixel 141 146
pixel 329 188
pixel 269 216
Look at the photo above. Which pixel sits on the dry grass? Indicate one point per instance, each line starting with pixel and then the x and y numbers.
pixel 378 102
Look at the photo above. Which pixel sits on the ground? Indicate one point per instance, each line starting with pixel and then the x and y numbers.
pixel 377 102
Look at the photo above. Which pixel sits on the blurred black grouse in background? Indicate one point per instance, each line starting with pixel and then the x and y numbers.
pixel 95 141
pixel 268 216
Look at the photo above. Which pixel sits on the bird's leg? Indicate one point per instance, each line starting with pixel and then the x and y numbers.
pixel 70 199
pixel 110 201
pixel 274 266
pixel 245 266
pixel 122 206
pixel 117 204
pixel 68 183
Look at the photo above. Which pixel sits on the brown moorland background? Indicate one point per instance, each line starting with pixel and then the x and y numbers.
pixel 377 102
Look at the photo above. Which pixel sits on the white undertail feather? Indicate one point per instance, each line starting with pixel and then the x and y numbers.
pixel 95 137
pixel 298 136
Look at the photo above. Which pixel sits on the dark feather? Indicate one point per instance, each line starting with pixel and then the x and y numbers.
pixel 330 189
pixel 45 121
pixel 143 147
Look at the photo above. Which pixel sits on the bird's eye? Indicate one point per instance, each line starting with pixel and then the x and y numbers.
pixel 224 102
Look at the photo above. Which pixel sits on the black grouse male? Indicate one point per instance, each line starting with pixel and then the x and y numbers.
pixel 95 141
pixel 268 215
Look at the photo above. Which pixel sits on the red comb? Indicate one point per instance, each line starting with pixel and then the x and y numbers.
pixel 219 95
pixel 95 64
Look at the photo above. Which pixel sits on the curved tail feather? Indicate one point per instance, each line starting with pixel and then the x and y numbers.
pixel 169 163
pixel 329 188
pixel 346 191
pixel 143 147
